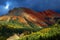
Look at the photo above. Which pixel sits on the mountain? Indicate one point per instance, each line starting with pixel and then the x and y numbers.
pixel 27 23
pixel 43 19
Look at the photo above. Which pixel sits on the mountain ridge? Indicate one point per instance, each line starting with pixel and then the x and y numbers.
pixel 39 18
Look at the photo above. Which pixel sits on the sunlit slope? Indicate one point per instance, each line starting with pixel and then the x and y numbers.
pixel 29 23
pixel 51 33
pixel 43 19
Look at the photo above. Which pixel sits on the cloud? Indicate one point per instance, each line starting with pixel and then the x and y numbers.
pixel 37 5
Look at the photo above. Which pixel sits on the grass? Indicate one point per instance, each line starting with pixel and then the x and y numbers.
pixel 10 28
pixel 7 29
pixel 50 33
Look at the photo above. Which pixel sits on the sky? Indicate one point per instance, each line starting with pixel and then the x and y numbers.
pixel 37 5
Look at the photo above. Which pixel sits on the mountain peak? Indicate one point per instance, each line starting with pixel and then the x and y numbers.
pixel 40 18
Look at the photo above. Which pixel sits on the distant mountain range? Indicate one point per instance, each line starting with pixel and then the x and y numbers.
pixel 43 19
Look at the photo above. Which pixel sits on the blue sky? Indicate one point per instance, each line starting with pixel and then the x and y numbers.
pixel 37 5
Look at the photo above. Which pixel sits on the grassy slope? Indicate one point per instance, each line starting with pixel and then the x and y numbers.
pixel 7 29
pixel 52 33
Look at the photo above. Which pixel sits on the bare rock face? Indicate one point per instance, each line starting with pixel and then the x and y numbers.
pixel 44 18
pixel 14 37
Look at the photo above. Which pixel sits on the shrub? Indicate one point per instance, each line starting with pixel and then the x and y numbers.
pixel 52 33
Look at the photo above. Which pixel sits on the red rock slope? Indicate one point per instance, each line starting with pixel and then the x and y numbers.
pixel 44 18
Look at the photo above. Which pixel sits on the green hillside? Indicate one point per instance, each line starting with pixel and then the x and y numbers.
pixel 7 29
pixel 34 32
pixel 52 33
